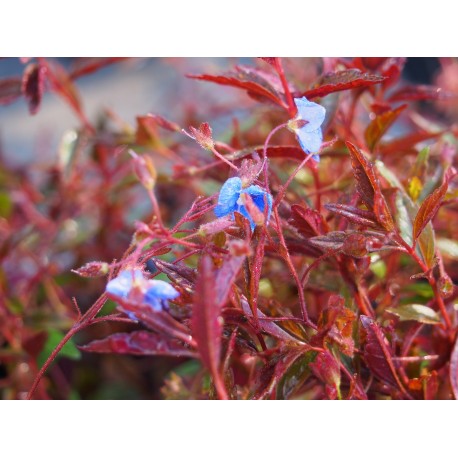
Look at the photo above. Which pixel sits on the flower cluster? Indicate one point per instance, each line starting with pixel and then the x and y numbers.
pixel 307 125
pixel 155 293
pixel 232 198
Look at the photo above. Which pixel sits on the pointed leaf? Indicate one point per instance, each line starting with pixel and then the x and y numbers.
pixel 378 355
pixel 33 85
pixel 378 126
pixel 420 92
pixel 138 343
pixel 354 214
pixel 244 80
pixel 206 323
pixel 341 81
pixel 368 187
pixel 87 65
pixel 428 209
pixel 416 312
pixel 307 221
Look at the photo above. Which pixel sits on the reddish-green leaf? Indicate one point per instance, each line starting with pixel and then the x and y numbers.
pixel 354 214
pixel 251 82
pixel 33 85
pixel 138 343
pixel 368 187
pixel 206 322
pixel 378 355
pixel 327 369
pixel 428 209
pixel 10 90
pixel 378 126
pixel 87 65
pixel 307 221
pixel 341 81
pixel 420 92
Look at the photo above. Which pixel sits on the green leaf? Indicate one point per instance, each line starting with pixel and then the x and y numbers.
pixel 448 248
pixel 5 205
pixel 416 312
pixel 69 350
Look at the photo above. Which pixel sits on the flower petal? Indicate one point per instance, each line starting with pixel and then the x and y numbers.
pixel 310 141
pixel 228 196
pixel 311 112
pixel 122 284
pixel 158 292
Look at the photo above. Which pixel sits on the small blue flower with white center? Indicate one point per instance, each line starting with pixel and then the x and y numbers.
pixel 232 199
pixel 307 125
pixel 155 293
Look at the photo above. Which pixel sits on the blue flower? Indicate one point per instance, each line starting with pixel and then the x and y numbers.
pixel 155 293
pixel 307 125
pixel 231 199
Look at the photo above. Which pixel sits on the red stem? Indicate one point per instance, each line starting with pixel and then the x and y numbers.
pixel 289 98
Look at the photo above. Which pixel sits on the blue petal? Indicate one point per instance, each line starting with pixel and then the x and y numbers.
pixel 158 293
pixel 161 290
pixel 122 284
pixel 311 112
pixel 228 196
pixel 310 141
pixel 260 197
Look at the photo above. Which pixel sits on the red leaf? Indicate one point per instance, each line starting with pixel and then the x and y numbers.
pixel 420 92
pixel 244 79
pixel 10 90
pixel 307 221
pixel 454 369
pixel 378 355
pixel 378 126
pixel 354 214
pixel 392 69
pixel 341 81
pixel 203 136
pixel 63 85
pixel 368 187
pixel 327 369
pixel 87 65
pixel 428 209
pixel 33 85
pixel 206 321
pixel 164 123
pixel 407 143
pixel 138 343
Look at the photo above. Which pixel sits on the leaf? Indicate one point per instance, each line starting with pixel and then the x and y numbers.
pixel 10 90
pixel 138 343
pixel 244 79
pixel 378 126
pixel 307 221
pixel 407 143
pixel 206 323
pixel 327 369
pixel 428 209
pixel 368 187
pixel 420 92
pixel 454 369
pixel 69 350
pixel 330 242
pixel 33 85
pixel 378 355
pixel 87 65
pixel 448 248
pixel 341 81
pixel 416 312
pixel 62 84
pixel 272 373
pixel 354 215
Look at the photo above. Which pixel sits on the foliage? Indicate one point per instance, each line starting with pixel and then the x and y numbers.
pixel 341 287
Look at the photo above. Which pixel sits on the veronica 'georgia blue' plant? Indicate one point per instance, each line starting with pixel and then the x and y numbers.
pixel 307 125
pixel 232 199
